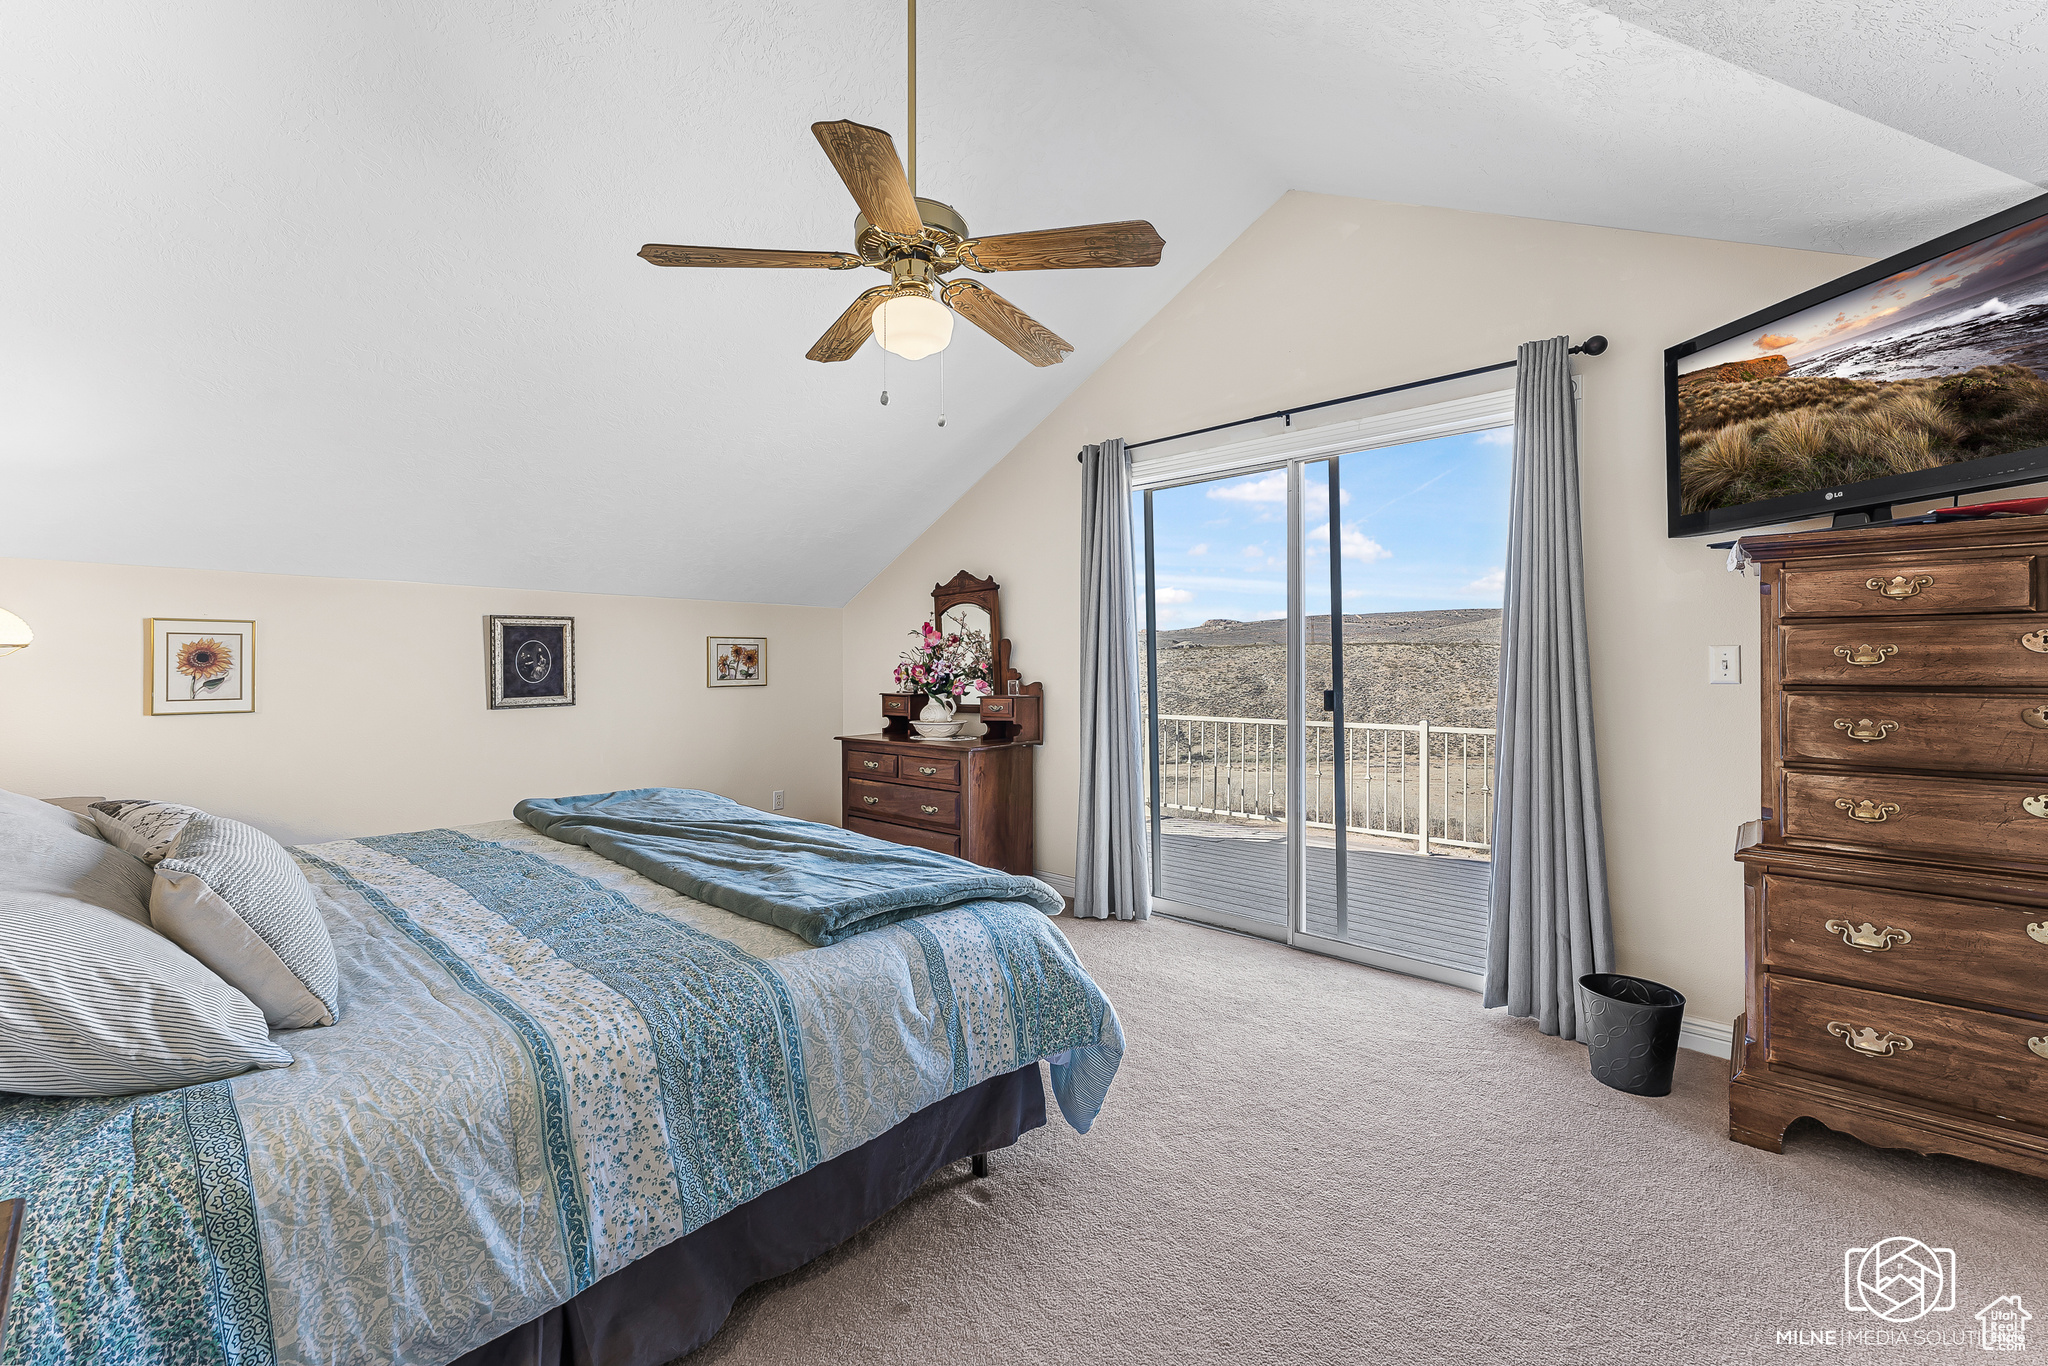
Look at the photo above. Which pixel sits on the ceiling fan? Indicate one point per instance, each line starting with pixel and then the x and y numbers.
pixel 918 241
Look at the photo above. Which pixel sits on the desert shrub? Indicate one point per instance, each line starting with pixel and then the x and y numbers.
pixel 1800 438
pixel 1722 463
pixel 1764 438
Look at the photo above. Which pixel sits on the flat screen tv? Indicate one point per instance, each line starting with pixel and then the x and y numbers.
pixel 1922 376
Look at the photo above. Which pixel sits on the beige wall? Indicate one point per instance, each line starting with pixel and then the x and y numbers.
pixel 370 701
pixel 1326 295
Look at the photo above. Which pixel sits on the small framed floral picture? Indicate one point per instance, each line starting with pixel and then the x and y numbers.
pixel 736 661
pixel 194 666
pixel 530 662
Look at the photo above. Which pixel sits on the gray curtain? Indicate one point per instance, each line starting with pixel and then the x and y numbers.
pixel 1549 892
pixel 1112 864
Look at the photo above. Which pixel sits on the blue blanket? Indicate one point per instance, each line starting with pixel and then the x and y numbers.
pixel 817 881
pixel 545 1067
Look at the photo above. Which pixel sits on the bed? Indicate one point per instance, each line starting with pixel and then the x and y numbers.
pixel 567 1113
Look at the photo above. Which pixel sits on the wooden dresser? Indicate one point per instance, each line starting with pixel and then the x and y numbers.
pixel 970 798
pixel 1897 882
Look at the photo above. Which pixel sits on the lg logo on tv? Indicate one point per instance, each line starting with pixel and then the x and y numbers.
pixel 1836 494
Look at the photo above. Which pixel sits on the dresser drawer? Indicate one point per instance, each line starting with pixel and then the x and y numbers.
pixel 906 834
pixel 1965 732
pixel 869 764
pixel 1969 819
pixel 919 768
pixel 898 703
pixel 1907 943
pixel 920 805
pixel 2011 653
pixel 1967 1059
pixel 1911 587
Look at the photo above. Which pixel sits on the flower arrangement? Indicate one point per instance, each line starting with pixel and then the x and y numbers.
pixel 953 665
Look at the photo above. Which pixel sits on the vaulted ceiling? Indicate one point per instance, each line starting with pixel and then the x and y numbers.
pixel 350 289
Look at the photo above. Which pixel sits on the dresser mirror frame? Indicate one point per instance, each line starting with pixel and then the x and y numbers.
pixel 965 590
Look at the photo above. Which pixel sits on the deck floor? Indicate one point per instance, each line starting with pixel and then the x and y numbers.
pixel 1431 909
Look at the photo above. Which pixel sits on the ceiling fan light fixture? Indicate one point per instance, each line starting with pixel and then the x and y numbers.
pixel 912 326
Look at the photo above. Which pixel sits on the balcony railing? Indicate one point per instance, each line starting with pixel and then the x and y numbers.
pixel 1428 783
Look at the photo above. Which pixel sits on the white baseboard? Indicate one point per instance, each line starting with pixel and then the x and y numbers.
pixel 1707 1036
pixel 1059 882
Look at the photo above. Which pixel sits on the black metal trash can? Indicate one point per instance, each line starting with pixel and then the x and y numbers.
pixel 1632 1024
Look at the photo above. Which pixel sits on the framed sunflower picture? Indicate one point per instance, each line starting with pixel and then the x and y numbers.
pixel 736 661
pixel 194 666
pixel 530 662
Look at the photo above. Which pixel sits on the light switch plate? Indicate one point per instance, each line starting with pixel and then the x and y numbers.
pixel 1724 664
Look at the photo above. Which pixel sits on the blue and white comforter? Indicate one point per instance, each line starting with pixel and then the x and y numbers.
pixel 546 1067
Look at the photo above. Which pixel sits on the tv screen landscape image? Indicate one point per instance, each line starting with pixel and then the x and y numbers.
pixel 1907 379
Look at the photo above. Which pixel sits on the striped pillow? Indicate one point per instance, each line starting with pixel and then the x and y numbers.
pixel 236 901
pixel 94 1003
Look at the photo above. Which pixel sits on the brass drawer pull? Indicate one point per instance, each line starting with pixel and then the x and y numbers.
pixel 1866 810
pixel 2038 1047
pixel 2037 641
pixel 1865 729
pixel 870 763
pixel 1868 1041
pixel 928 772
pixel 1867 936
pixel 928 810
pixel 2037 717
pixel 1900 586
pixel 1864 656
pixel 2035 806
pixel 871 801
pixel 2038 932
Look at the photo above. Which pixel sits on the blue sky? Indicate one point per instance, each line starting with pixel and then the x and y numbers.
pixel 1421 526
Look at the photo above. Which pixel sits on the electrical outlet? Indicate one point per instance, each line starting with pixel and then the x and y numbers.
pixel 1724 664
pixel 775 800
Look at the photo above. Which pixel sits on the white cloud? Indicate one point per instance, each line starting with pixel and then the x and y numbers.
pixel 1272 488
pixel 1166 595
pixel 1201 549
pixel 1357 545
pixel 1252 550
pixel 1497 436
pixel 1494 582
pixel 1267 488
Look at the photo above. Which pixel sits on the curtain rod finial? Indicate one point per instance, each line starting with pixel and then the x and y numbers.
pixel 1591 346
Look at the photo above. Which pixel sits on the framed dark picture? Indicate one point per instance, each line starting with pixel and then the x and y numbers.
pixel 531 661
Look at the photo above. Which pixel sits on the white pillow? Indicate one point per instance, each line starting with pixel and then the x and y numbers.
pixel 46 849
pixel 236 901
pixel 146 829
pixel 93 1003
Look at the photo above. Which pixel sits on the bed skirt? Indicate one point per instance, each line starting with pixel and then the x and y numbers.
pixel 675 1299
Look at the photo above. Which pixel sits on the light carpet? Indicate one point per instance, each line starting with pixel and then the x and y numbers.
pixel 1308 1161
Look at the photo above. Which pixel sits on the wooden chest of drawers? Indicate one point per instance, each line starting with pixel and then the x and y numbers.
pixel 1897 881
pixel 968 798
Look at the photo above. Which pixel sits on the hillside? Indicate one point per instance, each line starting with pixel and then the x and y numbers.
pixel 1400 667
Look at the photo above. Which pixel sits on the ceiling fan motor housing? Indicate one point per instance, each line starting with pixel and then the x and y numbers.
pixel 939 243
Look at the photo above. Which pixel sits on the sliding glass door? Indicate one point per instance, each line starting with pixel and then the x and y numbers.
pixel 1321 649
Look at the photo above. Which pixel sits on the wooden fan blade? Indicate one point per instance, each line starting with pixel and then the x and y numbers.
pixel 1004 321
pixel 660 255
pixel 866 160
pixel 1133 243
pixel 845 337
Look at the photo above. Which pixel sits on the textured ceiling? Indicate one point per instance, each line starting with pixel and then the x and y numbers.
pixel 350 290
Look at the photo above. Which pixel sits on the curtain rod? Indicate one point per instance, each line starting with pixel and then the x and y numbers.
pixel 1592 346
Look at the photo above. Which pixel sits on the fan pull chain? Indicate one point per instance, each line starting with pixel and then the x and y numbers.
pixel 885 360
pixel 942 388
